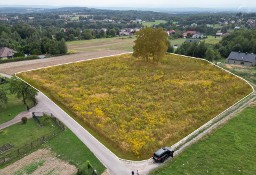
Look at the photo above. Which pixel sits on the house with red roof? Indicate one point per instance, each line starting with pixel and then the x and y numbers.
pixel 189 33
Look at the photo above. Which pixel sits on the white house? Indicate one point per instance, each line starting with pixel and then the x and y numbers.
pixel 198 35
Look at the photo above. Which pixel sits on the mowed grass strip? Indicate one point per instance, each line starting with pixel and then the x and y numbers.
pixel 135 107
pixel 230 150
pixel 71 149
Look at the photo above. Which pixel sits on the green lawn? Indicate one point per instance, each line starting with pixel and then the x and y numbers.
pixel 156 22
pixel 117 43
pixel 13 107
pixel 20 134
pixel 70 148
pixel 177 41
pixel 230 150
pixel 212 40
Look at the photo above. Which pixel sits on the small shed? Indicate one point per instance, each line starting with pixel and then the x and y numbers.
pixel 247 59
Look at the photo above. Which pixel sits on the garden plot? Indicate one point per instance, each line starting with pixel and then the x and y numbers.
pixel 40 162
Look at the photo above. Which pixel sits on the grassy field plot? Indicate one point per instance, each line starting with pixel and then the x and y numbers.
pixel 177 41
pixel 230 150
pixel 212 40
pixel 118 43
pixel 249 73
pixel 156 22
pixel 128 104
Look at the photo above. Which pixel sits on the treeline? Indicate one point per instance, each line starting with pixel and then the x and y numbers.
pixel 200 50
pixel 25 39
pixel 86 34
pixel 242 40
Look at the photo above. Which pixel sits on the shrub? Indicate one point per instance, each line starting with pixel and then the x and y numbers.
pixel 85 168
pixel 24 120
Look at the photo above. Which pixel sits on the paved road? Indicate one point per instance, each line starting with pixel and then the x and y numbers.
pixel 112 163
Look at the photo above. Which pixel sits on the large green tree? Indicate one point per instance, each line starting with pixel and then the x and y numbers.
pixel 22 90
pixel 151 44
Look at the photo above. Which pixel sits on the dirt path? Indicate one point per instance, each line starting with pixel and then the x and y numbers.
pixel 14 67
pixel 40 162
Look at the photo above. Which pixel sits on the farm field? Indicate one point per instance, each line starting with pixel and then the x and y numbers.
pixel 209 40
pixel 156 22
pixel 128 104
pixel 230 150
pixel 124 44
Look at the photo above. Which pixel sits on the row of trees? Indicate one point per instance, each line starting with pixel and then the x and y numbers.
pixel 87 34
pixel 22 90
pixel 29 40
pixel 200 50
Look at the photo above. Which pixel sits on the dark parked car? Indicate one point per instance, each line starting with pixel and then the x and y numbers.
pixel 162 154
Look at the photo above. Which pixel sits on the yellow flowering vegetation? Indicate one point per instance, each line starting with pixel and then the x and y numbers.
pixel 138 106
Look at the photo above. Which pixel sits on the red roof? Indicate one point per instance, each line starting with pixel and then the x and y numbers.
pixel 172 31
pixel 189 32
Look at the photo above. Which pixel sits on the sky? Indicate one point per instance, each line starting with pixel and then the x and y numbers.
pixel 138 3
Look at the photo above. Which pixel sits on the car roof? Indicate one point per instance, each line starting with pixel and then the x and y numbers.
pixel 160 151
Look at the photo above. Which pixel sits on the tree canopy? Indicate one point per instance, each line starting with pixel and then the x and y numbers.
pixel 22 90
pixel 241 40
pixel 151 44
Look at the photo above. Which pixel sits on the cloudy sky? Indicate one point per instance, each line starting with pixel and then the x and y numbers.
pixel 138 3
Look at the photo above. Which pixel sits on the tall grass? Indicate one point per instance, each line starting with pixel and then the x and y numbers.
pixel 141 106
